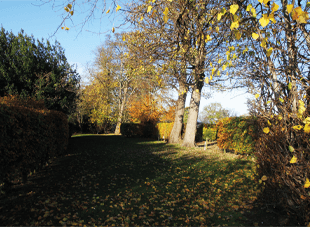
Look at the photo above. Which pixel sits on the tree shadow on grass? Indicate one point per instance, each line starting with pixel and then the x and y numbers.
pixel 92 162
pixel 100 172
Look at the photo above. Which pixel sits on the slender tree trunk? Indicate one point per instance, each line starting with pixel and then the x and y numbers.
pixel 120 114
pixel 175 134
pixel 190 132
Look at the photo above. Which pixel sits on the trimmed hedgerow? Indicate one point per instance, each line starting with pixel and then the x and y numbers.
pixel 237 133
pixel 209 132
pixel 30 135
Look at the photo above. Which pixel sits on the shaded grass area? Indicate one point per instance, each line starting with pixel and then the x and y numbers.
pixel 113 180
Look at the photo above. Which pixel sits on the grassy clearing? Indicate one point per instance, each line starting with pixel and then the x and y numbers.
pixel 112 180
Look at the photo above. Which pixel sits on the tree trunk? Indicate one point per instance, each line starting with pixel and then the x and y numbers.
pixel 175 134
pixel 120 114
pixel 190 132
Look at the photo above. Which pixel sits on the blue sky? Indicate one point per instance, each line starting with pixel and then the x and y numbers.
pixel 42 21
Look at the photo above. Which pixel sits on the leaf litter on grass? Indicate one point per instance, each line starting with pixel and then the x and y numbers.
pixel 112 180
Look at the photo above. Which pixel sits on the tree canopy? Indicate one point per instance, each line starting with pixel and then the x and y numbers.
pixel 214 112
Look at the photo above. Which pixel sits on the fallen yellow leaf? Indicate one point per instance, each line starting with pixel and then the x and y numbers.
pixel 307 183
pixel 293 160
pixel 266 130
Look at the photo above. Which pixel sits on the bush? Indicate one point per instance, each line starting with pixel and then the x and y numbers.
pixel 283 158
pixel 131 129
pixel 164 130
pixel 30 135
pixel 237 133
pixel 209 133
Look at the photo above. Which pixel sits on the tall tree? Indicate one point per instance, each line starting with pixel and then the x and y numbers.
pixel 120 62
pixel 97 99
pixel 36 69
pixel 174 42
pixel 214 112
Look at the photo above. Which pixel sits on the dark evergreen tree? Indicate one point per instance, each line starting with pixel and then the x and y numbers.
pixel 36 69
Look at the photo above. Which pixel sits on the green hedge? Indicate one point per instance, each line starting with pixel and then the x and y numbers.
pixel 237 133
pixel 30 135
pixel 209 132
pixel 160 130
pixel 139 130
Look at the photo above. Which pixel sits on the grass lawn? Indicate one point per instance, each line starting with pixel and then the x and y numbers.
pixel 113 180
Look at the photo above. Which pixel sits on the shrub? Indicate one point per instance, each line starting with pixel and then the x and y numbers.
pixel 209 133
pixel 30 135
pixel 238 134
pixel 164 130
pixel 283 158
pixel 131 129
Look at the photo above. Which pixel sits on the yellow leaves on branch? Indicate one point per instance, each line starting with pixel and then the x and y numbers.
pixel 271 17
pixel 108 11
pixel 149 8
pixel 245 50
pixel 118 8
pixel 165 17
pixel 289 8
pixel 301 109
pixel 238 35
pixel 256 96
pixel 264 1
pixel 253 11
pixel 113 29
pixel 264 43
pixel 234 25
pixel 255 36
pixel 213 70
pixel 297 14
pixel 264 21
pixel 68 8
pixel 248 8
pixel 289 86
pixel 66 28
pixel 233 9
pixel 297 127
pixel 208 38
pixel 269 51
pixel 222 13
pixel 307 120
pixel 307 128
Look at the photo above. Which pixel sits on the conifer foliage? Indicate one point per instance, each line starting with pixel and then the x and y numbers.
pixel 32 68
